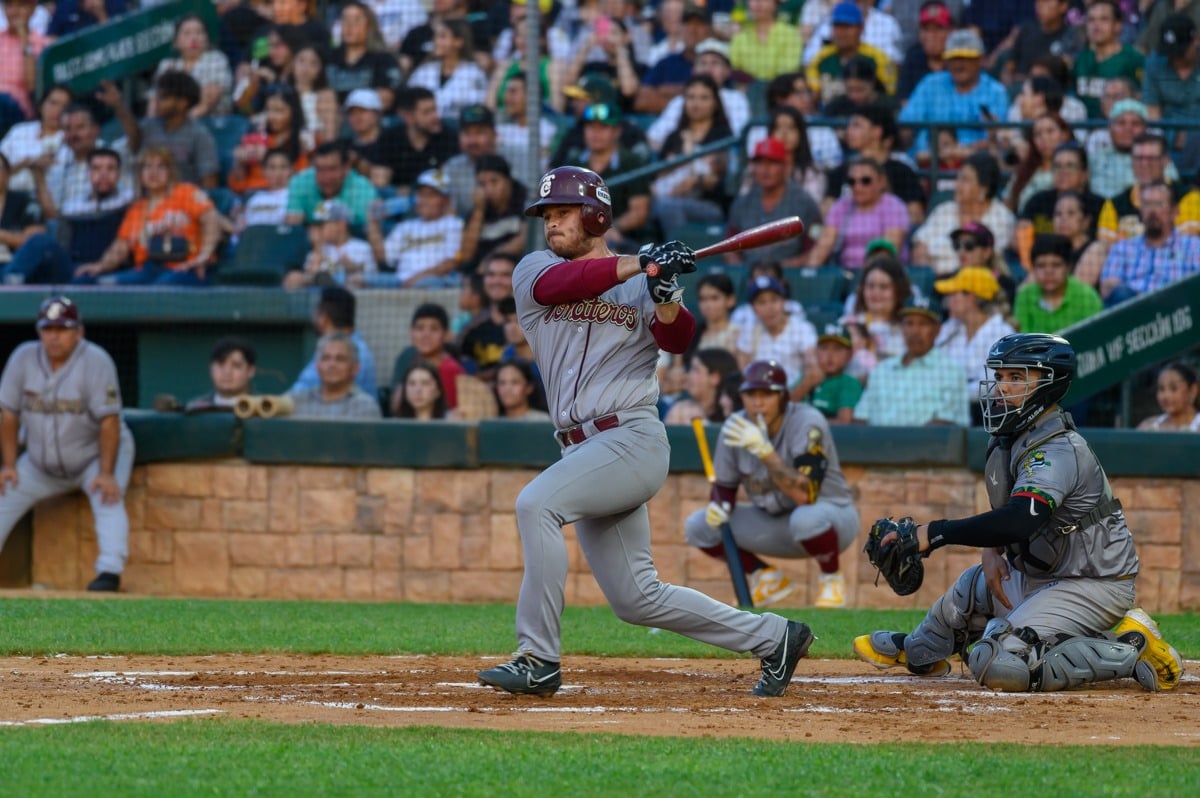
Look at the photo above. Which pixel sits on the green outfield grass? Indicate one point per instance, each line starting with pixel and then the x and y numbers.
pixel 240 758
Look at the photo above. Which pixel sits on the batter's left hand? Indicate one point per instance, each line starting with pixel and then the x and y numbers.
pixel 739 431
pixel 672 258
pixel 106 485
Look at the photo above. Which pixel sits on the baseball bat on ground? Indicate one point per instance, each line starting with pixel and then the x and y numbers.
pixel 733 559
pixel 761 236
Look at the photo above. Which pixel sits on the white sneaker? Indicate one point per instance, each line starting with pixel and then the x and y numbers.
pixel 769 585
pixel 833 591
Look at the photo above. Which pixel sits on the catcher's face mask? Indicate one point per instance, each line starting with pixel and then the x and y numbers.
pixel 1010 401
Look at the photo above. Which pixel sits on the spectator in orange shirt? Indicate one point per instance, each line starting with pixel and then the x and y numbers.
pixel 168 236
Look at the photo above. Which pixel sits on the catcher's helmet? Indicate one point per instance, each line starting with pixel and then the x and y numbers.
pixel 574 185
pixel 58 311
pixel 764 375
pixel 1049 353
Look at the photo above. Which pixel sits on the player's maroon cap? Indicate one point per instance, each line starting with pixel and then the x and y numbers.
pixel 58 311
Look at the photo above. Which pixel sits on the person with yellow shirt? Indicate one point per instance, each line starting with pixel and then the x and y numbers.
pixel 1120 217
pixel 825 72
pixel 766 47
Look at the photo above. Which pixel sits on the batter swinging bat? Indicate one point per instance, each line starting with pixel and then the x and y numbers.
pixel 740 587
pixel 761 236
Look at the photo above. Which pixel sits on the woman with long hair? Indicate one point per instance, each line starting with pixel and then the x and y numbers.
pixel 38 140
pixel 788 125
pixel 423 397
pixel 975 200
pixel 451 72
pixel 207 65
pixel 1036 170
pixel 883 286
pixel 868 212
pixel 283 42
pixel 282 129
pixel 1088 253
pixel 518 393
pixel 716 297
pixel 322 114
pixel 695 191
pixel 1177 393
pixel 362 59
pixel 703 384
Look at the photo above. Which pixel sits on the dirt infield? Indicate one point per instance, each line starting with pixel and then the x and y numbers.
pixel 828 701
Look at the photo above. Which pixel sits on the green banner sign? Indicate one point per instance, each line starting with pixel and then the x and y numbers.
pixel 1134 335
pixel 126 45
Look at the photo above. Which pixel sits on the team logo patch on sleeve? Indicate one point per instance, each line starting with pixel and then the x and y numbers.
pixel 110 395
pixel 1033 462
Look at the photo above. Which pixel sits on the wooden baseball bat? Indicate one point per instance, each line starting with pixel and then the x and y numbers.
pixel 741 589
pixel 761 236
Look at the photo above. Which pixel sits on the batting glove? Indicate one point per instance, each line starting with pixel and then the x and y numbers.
pixel 742 433
pixel 716 514
pixel 665 290
pixel 672 258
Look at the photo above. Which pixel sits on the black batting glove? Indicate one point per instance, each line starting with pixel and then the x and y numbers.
pixel 672 258
pixel 665 289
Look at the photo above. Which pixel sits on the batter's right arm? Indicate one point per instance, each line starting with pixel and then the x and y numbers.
pixel 10 425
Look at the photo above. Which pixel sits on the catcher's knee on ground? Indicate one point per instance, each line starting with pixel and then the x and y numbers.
pixel 1016 660
pixel 947 625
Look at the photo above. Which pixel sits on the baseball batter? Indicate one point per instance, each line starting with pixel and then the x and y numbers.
pixel 1058 559
pixel 61 391
pixel 801 504
pixel 596 322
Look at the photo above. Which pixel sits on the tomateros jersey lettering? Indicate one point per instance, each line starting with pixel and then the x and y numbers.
pixel 594 310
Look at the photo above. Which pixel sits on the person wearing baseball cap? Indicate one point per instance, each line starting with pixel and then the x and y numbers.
pixel 838 393
pixel 63 392
pixel 776 334
pixel 336 256
pixel 364 112
pixel 934 23
pixel 921 386
pixel 971 297
pixel 423 251
pixel 826 71
pixel 960 92
pixel 774 194
pixel 477 136
pixel 1170 96
pixel 1111 165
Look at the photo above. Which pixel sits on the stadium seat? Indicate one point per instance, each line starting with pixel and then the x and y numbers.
pixel 813 285
pixel 820 314
pixel 922 278
pixel 228 132
pixel 264 253
pixel 696 234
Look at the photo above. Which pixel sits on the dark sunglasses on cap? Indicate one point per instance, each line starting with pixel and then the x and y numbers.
pixel 965 244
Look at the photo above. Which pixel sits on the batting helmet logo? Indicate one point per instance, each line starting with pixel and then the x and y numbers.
pixel 574 185
pixel 764 375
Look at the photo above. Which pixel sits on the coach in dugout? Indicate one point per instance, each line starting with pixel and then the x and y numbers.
pixel 64 391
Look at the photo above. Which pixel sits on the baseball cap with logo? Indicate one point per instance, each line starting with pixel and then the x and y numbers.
pixel 847 13
pixel 476 115
pixel 594 88
pixel 978 231
pixel 975 280
pixel 434 179
pixel 1178 32
pixel 764 283
pixel 834 332
pixel 920 306
pixel 770 149
pixel 364 98
pixel 935 14
pixel 331 211
pixel 963 44
pixel 713 46
pixel 58 311
pixel 604 113
pixel 880 245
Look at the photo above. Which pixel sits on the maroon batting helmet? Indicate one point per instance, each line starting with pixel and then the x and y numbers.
pixel 764 375
pixel 58 311
pixel 574 185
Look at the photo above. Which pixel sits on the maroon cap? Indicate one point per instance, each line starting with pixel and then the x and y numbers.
pixel 982 234
pixel 936 15
pixel 58 311
pixel 770 149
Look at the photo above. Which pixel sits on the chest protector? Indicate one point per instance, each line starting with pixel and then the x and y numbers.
pixel 1042 553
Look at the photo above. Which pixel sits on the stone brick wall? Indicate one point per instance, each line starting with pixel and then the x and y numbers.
pixel 227 528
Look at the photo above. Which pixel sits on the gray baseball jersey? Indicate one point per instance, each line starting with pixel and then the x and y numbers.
pixel 803 440
pixel 61 410
pixel 596 356
pixel 1051 463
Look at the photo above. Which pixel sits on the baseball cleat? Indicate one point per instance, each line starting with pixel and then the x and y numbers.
pixel 769 585
pixel 777 669
pixel 886 650
pixel 1159 666
pixel 105 582
pixel 833 591
pixel 525 675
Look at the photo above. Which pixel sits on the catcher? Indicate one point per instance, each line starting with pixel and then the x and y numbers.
pixel 801 504
pixel 1058 562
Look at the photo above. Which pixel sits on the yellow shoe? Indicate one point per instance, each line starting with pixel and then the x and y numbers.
pixel 1159 666
pixel 833 591
pixel 769 585
pixel 886 650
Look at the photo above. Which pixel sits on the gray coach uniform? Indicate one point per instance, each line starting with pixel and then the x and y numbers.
pixel 773 524
pixel 597 358
pixel 60 414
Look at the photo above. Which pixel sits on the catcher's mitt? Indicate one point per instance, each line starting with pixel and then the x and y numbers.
pixel 899 560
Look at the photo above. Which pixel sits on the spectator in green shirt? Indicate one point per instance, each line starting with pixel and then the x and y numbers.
pixel 838 392
pixel 1105 57
pixel 1054 299
pixel 329 177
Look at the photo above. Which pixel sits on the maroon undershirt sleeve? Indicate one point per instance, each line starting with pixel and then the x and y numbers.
pixel 573 280
pixel 676 336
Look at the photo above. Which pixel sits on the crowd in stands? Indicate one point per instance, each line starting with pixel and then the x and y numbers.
pixel 398 134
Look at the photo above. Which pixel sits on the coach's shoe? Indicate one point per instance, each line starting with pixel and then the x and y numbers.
pixel 769 585
pixel 777 669
pixel 886 650
pixel 1159 666
pixel 105 582
pixel 833 591
pixel 525 675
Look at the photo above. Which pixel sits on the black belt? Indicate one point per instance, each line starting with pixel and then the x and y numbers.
pixel 577 434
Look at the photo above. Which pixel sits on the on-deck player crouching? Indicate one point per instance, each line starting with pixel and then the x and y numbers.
pixel 596 321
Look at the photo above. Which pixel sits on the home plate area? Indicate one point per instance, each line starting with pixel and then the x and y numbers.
pixel 828 700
